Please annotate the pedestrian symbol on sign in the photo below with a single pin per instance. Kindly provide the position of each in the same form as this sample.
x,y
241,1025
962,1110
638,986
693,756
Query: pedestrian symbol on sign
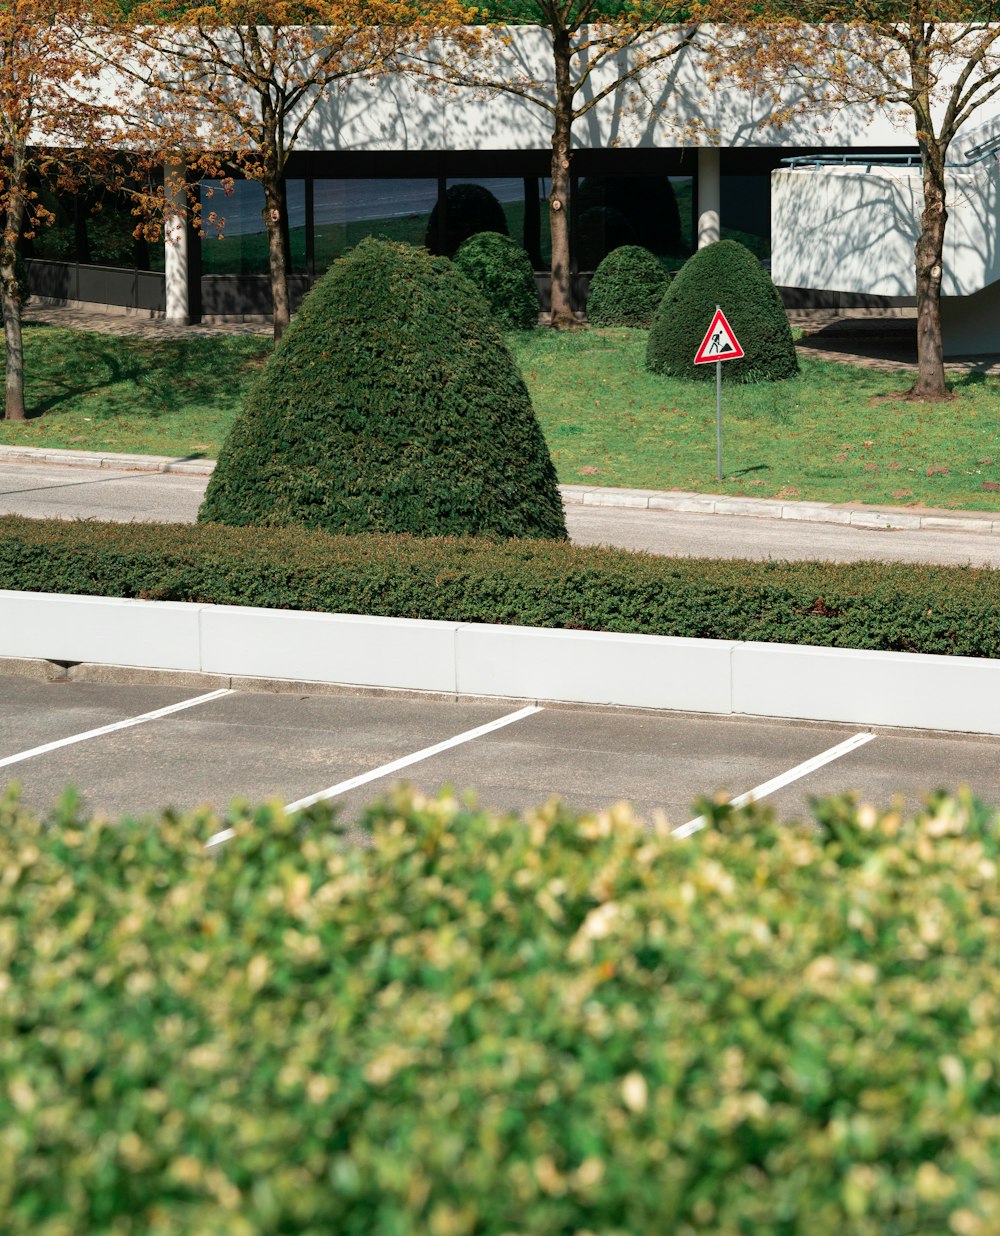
x,y
720,343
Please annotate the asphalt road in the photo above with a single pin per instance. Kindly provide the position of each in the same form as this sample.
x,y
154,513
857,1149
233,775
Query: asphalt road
x,y
258,745
81,493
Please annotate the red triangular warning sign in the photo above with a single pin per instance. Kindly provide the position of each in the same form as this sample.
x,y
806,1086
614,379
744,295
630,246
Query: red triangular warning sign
x,y
719,343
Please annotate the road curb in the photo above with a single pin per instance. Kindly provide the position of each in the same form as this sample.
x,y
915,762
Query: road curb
x,y
854,515
720,677
122,462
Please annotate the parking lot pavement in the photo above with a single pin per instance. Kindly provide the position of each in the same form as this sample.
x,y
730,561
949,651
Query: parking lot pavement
x,y
289,746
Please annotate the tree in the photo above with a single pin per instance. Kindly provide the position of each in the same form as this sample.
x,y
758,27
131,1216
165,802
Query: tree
x,y
937,59
249,75
595,52
53,125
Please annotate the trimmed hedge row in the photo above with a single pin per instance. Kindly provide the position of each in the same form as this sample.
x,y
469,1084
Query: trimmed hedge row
x,y
485,1025
532,583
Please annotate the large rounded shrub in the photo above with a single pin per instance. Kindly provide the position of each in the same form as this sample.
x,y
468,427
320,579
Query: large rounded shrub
x,y
391,404
501,269
729,275
626,288
469,208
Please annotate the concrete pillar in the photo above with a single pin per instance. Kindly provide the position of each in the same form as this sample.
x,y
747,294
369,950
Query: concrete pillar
x,y
709,196
175,246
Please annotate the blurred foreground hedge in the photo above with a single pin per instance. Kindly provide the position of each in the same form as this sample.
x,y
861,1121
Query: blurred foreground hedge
x,y
546,1025
890,606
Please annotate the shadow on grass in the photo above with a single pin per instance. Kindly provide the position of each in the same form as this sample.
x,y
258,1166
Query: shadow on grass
x,y
975,377
750,468
139,377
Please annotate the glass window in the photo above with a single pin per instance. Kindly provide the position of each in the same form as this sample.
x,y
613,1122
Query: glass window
x,y
235,242
345,211
94,230
482,204
746,212
630,210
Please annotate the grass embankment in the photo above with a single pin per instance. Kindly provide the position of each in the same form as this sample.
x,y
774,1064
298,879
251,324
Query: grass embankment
x,y
834,434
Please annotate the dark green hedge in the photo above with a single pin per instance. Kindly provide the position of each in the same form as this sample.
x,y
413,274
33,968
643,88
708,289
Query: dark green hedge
x,y
391,404
481,1026
627,288
533,583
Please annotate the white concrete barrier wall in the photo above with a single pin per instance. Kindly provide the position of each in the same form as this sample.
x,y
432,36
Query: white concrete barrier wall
x,y
585,667
594,667
345,648
105,630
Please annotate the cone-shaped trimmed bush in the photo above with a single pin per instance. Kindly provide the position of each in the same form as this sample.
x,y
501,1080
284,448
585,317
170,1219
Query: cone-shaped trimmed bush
x,y
391,404
626,288
501,269
469,208
725,274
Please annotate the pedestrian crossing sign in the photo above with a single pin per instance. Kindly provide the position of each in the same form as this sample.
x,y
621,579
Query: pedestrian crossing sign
x,y
720,343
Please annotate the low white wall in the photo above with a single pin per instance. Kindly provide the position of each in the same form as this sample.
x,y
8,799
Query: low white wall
x,y
586,667
853,229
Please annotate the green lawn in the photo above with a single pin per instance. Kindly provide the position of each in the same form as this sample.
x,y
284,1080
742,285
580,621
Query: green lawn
x,y
97,392
830,435
834,434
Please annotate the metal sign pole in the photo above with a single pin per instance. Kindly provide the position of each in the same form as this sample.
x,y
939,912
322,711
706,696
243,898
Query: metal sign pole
x,y
719,344
718,420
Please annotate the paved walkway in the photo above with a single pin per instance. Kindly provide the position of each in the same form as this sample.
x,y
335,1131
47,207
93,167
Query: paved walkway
x,y
133,325
855,515
888,344
127,488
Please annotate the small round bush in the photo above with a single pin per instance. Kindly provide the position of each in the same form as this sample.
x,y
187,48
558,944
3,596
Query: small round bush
x,y
647,202
626,288
725,274
501,269
599,232
469,208
391,404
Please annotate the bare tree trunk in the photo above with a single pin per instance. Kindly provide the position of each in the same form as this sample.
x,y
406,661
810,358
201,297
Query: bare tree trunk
x,y
930,384
10,299
562,304
13,346
277,255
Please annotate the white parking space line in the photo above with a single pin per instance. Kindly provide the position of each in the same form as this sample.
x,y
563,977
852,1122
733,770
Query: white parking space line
x,y
785,778
116,725
385,770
